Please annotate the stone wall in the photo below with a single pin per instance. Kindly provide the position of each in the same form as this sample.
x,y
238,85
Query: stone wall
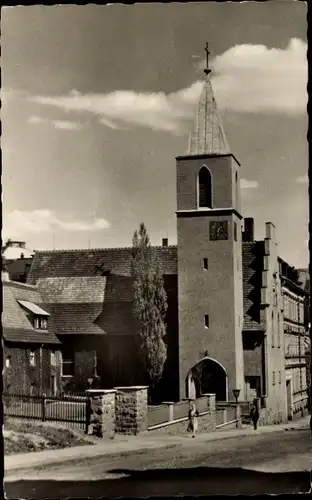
x,y
102,417
206,423
124,410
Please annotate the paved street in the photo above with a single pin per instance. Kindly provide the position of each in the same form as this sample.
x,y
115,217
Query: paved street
x,y
249,464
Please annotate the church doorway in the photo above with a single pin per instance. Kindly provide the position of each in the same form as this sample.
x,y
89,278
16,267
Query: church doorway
x,y
207,376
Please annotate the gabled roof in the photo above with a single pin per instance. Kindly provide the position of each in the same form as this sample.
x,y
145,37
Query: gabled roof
x,y
208,136
66,263
252,253
89,305
16,320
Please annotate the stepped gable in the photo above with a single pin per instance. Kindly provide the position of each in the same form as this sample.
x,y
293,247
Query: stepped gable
x,y
252,281
117,261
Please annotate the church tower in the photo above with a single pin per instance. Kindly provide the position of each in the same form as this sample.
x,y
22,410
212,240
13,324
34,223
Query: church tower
x,y
210,285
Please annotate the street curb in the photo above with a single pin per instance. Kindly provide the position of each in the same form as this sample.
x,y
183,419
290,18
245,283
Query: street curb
x,y
60,460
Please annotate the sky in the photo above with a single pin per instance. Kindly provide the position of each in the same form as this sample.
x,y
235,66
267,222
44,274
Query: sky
x,y
97,102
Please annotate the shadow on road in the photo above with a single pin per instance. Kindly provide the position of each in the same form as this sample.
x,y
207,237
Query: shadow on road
x,y
158,482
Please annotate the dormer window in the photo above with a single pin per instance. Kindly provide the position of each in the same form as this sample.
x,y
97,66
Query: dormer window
x,y
37,315
40,322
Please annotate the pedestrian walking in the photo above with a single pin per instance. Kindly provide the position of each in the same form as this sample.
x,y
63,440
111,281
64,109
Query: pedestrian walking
x,y
254,415
192,419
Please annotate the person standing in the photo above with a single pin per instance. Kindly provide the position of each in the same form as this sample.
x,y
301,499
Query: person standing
x,y
192,419
254,414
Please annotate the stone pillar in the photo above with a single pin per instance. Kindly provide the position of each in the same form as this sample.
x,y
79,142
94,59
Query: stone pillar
x,y
131,409
238,415
170,405
102,412
211,405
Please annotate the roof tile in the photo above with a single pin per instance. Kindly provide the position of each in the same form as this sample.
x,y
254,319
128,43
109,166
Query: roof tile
x,y
67,263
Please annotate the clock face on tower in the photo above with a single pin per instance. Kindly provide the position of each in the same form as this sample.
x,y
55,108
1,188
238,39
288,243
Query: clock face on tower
x,y
219,230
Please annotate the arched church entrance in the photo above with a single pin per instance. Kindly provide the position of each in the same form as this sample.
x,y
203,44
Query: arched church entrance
x,y
207,376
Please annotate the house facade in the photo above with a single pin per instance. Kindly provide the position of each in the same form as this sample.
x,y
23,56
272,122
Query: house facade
x,y
16,260
295,340
31,350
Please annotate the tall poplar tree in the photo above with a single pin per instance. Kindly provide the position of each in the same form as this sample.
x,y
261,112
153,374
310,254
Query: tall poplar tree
x,y
149,307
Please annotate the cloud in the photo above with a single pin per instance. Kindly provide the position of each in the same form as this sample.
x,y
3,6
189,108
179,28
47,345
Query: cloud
x,y
247,184
7,95
109,123
34,120
158,110
60,124
44,220
302,179
66,125
246,78
255,78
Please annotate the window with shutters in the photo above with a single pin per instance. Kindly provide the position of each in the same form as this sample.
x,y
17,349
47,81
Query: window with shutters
x,y
204,188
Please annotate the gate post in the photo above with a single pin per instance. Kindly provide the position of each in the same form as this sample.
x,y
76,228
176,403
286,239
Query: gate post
x,y
43,407
102,412
88,414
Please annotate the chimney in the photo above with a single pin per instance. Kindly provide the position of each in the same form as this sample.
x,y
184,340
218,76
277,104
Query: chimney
x,y
165,242
248,234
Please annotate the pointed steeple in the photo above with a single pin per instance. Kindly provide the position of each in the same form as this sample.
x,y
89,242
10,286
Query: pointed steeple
x,y
208,136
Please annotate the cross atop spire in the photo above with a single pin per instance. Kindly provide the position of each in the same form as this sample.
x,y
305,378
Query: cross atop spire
x,y
207,70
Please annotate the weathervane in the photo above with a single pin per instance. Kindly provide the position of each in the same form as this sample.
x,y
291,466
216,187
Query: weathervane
x,y
207,70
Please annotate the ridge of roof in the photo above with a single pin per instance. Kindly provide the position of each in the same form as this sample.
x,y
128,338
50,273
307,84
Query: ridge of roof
x,y
18,284
98,249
